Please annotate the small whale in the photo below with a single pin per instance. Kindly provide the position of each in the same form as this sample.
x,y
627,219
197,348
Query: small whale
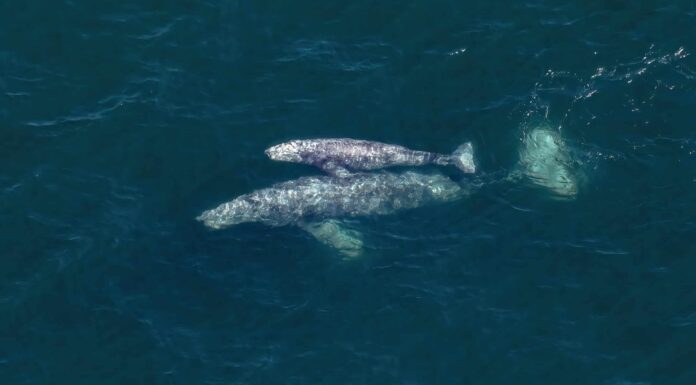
x,y
319,204
338,157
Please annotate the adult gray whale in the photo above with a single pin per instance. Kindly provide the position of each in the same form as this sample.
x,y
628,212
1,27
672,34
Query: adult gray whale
x,y
318,203
338,156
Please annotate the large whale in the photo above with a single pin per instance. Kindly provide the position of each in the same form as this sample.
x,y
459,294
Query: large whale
x,y
318,204
340,156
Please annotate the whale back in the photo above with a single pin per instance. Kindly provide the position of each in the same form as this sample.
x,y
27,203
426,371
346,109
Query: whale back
x,y
321,197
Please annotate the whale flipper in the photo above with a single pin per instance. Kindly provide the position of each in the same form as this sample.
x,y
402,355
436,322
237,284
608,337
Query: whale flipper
x,y
334,169
334,233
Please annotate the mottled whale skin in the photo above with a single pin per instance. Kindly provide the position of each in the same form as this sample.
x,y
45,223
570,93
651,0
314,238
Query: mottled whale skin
x,y
318,204
341,155
314,198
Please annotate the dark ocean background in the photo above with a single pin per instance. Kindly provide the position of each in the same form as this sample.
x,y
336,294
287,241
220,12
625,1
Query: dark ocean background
x,y
121,121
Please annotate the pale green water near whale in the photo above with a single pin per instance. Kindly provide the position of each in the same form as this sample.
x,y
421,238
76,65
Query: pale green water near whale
x,y
120,122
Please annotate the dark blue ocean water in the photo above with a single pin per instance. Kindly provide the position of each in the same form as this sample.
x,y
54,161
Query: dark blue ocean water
x,y
120,121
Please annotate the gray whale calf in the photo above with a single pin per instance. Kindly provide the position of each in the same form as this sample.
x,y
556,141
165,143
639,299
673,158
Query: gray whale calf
x,y
340,156
318,203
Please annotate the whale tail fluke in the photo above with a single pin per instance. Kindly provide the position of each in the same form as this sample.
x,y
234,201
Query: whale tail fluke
x,y
546,161
463,158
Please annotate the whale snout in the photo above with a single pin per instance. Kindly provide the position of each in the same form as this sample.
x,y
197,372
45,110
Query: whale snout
x,y
284,152
210,220
274,152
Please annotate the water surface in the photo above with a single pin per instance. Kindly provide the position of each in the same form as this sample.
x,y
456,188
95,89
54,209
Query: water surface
x,y
120,121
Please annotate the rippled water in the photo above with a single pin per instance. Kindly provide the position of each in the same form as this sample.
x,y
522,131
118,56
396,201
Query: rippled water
x,y
122,121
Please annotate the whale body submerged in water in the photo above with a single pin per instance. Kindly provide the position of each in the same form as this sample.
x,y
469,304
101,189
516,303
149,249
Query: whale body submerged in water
x,y
338,156
317,203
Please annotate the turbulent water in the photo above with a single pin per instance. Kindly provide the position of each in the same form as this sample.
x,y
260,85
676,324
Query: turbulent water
x,y
121,121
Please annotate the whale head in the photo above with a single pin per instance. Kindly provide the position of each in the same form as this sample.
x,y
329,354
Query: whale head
x,y
285,152
228,214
